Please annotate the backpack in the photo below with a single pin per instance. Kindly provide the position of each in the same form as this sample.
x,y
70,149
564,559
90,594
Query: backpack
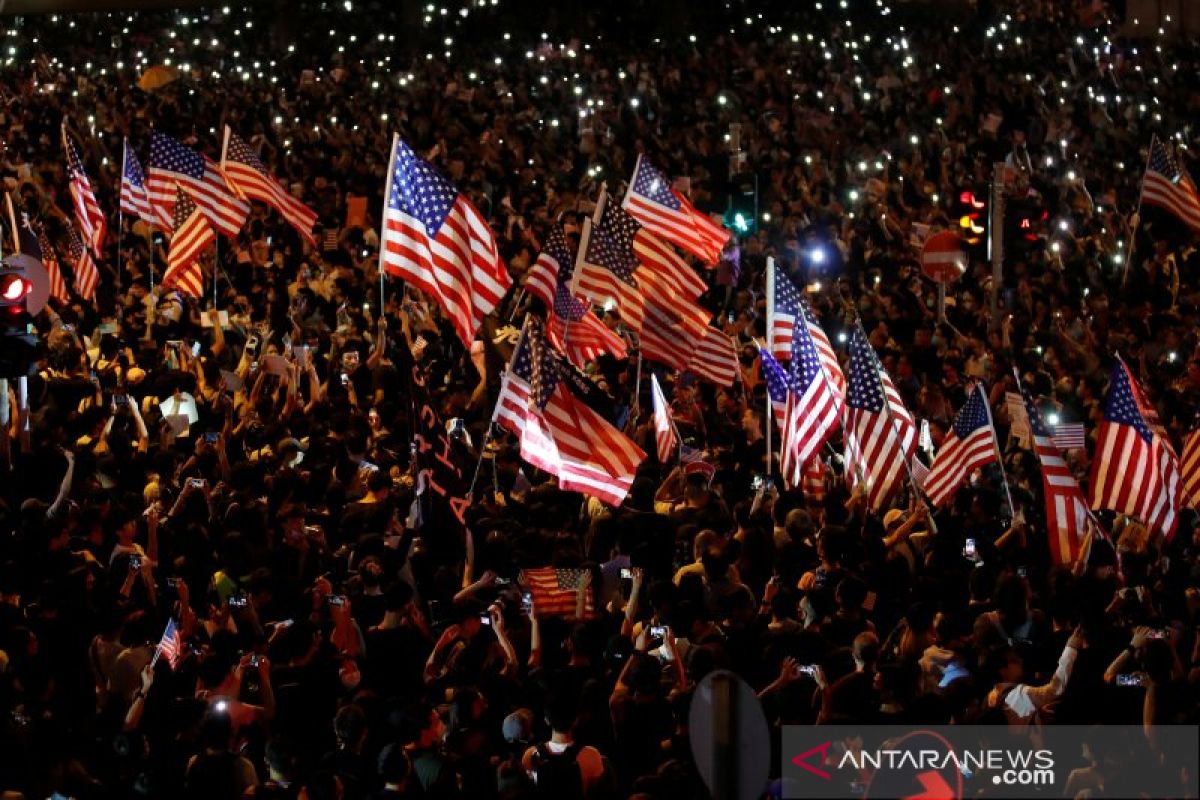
x,y
558,775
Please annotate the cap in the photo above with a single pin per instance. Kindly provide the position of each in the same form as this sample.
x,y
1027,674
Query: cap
x,y
702,468
518,726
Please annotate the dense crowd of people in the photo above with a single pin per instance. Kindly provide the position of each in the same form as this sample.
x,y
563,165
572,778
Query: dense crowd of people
x,y
255,481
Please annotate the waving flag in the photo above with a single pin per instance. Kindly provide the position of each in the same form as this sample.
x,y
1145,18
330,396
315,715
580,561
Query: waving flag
x,y
554,263
676,333
248,177
88,215
558,432
578,333
171,165
192,235
134,198
555,592
881,436
170,646
1069,436
1067,516
1134,469
813,472
434,237
814,403
969,444
786,310
778,384
1168,186
87,274
656,204
1189,465
606,262
34,244
664,429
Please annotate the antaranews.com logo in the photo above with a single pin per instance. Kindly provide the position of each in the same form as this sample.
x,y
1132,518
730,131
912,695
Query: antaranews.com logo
x,y
946,762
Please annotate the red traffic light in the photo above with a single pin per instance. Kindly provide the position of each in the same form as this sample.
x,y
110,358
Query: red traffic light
x,y
13,288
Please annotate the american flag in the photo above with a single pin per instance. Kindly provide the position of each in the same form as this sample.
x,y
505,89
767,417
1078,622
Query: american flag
x,y
171,164
87,211
435,238
814,404
553,264
676,333
170,646
87,274
134,199
558,432
1069,436
663,210
329,243
920,473
555,592
814,479
248,177
605,264
783,308
35,244
814,472
969,444
1134,469
192,235
1189,464
1067,515
578,333
881,435
1168,186
657,256
664,430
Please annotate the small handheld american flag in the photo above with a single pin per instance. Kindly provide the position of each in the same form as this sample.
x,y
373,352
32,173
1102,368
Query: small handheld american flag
x,y
170,646
665,211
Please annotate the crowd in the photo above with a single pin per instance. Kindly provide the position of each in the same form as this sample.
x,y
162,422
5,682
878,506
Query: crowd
x,y
256,482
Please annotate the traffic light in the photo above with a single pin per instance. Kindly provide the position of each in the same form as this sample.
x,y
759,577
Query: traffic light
x,y
22,295
741,215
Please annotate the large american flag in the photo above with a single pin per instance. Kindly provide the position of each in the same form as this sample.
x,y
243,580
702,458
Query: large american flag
x,y
571,326
881,435
605,264
88,215
813,472
172,164
676,333
170,646
87,274
786,306
1067,515
558,432
657,205
1168,186
555,592
134,198
192,235
248,177
435,238
664,430
814,404
33,243
969,444
1134,469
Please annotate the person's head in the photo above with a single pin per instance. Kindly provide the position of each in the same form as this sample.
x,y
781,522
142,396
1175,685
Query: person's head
x,y
422,727
866,651
350,727
394,767
281,760
379,484
1006,664
561,711
467,615
705,540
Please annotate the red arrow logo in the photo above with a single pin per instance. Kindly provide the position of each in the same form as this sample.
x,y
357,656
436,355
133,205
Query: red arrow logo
x,y
800,760
933,787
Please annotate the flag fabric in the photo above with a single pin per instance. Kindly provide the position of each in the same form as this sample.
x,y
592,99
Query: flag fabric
x,y
172,164
170,646
555,262
435,238
1189,465
666,212
1134,469
969,444
656,255
778,384
813,479
814,406
676,333
881,435
555,592
87,274
246,174
664,431
714,357
558,432
88,215
920,473
192,235
34,244
1168,186
1067,515
783,309
134,198
1069,436
605,264
578,333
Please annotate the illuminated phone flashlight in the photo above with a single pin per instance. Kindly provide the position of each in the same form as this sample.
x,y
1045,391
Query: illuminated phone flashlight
x,y
1052,418
609,304
816,255
1171,356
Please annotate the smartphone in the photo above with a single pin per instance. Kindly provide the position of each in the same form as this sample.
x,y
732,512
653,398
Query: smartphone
x,y
658,631
1132,679
526,602
337,600
345,379
806,669
196,350
196,483
121,399
759,482
626,574
1157,633
255,660
1023,572
252,345
503,581
731,316
969,550
174,344
238,600
485,619
135,563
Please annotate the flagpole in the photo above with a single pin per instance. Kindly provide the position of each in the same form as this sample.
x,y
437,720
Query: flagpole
x,y
12,216
1136,219
391,173
216,266
496,408
121,214
987,406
